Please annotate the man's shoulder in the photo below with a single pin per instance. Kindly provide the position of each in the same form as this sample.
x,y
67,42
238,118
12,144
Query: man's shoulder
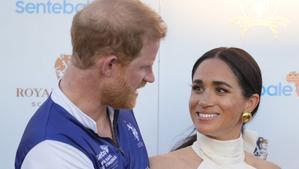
x,y
57,155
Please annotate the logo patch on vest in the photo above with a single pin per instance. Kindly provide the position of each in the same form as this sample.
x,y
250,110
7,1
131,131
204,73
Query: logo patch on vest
x,y
135,134
105,159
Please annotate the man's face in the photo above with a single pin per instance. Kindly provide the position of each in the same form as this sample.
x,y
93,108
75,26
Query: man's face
x,y
123,92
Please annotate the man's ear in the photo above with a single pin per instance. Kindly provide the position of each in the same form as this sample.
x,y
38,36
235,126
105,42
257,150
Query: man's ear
x,y
106,64
252,102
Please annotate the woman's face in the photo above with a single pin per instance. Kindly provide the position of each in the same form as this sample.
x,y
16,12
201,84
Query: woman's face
x,y
216,102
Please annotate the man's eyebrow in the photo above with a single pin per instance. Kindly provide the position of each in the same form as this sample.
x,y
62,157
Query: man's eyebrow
x,y
197,81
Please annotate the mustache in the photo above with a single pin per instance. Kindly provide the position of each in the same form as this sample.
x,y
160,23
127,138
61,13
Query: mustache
x,y
142,85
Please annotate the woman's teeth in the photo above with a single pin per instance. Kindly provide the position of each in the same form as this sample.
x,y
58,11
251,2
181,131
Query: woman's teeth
x,y
207,116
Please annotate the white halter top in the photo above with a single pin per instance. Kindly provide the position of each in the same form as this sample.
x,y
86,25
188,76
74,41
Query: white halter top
x,y
218,154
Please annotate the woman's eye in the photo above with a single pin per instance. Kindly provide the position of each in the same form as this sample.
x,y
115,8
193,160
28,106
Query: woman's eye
x,y
221,90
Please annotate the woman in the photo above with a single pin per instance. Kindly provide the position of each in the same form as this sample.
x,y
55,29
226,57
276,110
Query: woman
x,y
226,90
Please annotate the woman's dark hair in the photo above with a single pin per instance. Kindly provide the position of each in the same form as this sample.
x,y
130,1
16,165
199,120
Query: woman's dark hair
x,y
244,68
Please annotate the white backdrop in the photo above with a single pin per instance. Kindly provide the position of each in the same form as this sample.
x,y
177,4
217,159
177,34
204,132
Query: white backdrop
x,y
34,33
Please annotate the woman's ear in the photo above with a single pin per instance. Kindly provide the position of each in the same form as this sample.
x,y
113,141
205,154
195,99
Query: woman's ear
x,y
252,102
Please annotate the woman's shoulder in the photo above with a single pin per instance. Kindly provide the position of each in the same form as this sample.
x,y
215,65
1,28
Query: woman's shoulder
x,y
163,161
259,163
263,164
183,158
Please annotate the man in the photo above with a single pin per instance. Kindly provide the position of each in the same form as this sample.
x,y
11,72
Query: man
x,y
82,124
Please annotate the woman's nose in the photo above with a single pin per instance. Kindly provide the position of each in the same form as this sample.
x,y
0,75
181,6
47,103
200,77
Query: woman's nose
x,y
206,98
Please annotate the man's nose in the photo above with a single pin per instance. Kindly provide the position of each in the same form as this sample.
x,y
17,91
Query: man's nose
x,y
150,77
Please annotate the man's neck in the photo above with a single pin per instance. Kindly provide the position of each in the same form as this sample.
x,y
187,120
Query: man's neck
x,y
105,127
80,86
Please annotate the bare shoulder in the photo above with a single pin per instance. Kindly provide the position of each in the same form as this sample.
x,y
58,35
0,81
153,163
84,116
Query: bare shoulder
x,y
258,163
163,161
263,164
184,158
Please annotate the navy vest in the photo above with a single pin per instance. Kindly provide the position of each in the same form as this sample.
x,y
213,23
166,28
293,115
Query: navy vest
x,y
52,122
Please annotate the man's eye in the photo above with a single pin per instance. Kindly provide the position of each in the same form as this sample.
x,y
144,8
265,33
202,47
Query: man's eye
x,y
197,88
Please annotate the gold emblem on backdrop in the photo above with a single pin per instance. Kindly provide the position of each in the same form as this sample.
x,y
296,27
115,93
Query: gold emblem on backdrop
x,y
61,64
257,13
293,77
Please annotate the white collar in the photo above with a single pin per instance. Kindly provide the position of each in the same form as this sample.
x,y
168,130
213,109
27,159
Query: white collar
x,y
250,138
222,153
61,99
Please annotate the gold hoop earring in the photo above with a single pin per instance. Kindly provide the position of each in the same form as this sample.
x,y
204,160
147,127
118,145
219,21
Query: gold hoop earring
x,y
246,117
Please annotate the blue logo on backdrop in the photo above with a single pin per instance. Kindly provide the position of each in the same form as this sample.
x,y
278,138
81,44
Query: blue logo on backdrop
x,y
49,7
278,89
